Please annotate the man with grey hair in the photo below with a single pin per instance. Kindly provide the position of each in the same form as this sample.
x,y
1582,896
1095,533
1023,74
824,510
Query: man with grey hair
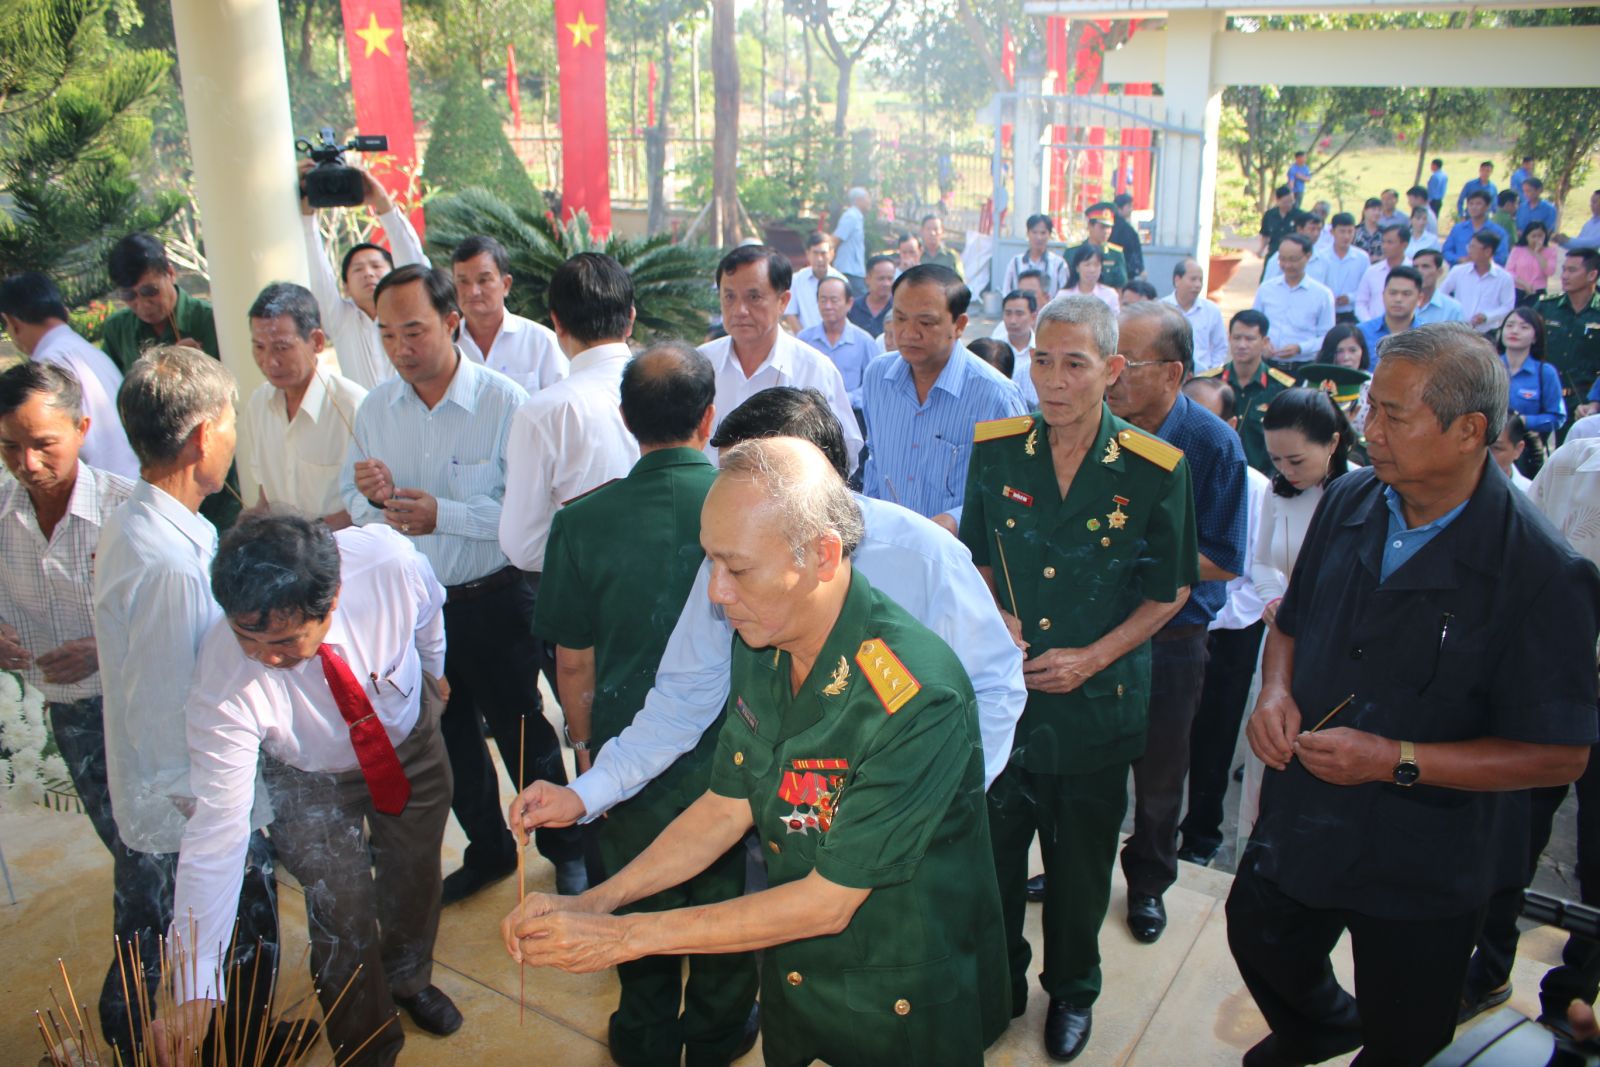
x,y
1205,317
300,420
1421,581
1083,525
152,606
851,746
850,253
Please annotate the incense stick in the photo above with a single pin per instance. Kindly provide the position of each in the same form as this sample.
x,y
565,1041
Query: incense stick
x,y
348,425
1006,571
522,968
1342,705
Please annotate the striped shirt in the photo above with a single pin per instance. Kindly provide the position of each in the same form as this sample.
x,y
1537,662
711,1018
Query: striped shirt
x,y
46,589
456,452
920,449
1054,268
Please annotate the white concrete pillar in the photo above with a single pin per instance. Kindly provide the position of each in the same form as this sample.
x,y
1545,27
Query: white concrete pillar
x,y
1186,185
1027,164
236,96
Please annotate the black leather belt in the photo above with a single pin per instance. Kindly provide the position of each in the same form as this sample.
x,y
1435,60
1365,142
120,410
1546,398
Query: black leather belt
x,y
455,594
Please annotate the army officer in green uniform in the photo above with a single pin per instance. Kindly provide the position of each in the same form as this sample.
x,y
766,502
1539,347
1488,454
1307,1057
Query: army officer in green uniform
x,y
851,745
1100,219
619,566
1572,330
1254,382
1084,527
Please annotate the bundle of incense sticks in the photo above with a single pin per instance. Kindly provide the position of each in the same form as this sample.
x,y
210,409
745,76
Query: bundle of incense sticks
x,y
70,1038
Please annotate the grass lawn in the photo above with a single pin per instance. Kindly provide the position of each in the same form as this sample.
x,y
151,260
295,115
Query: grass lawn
x,y
1358,174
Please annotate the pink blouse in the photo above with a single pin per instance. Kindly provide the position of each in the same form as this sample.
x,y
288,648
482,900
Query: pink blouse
x,y
1531,270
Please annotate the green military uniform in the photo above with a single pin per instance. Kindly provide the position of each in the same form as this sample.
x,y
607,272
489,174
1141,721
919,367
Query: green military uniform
x,y
1114,273
1078,567
1572,344
619,566
946,257
125,336
1251,400
871,774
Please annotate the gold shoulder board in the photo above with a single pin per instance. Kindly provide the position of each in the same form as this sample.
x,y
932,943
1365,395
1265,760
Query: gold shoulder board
x,y
887,675
993,429
1153,449
1213,372
1280,377
1113,247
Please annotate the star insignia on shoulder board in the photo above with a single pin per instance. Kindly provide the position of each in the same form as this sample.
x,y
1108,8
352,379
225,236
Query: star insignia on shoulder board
x,y
1113,452
1030,446
841,679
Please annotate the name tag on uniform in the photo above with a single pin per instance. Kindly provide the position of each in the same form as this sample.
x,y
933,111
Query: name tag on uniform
x,y
1018,495
745,713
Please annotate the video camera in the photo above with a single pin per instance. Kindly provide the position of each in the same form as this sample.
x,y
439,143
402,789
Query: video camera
x,y
332,182
1510,1039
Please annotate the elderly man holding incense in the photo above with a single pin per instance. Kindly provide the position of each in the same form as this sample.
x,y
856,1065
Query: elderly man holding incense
x,y
1417,598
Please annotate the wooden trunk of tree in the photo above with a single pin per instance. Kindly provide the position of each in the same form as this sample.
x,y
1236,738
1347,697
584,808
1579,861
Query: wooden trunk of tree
x,y
694,78
655,141
1427,129
841,99
725,132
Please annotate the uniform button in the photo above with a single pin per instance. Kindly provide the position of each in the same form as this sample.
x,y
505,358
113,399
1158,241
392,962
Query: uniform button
x,y
1355,653
795,978
902,1006
1010,523
738,759
1044,624
1049,572
773,845
1105,542
1120,690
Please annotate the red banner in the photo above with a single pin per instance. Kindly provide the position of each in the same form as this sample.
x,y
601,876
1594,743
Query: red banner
x,y
581,57
382,88
513,90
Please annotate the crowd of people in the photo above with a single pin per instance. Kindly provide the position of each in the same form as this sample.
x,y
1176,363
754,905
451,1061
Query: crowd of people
x,y
837,585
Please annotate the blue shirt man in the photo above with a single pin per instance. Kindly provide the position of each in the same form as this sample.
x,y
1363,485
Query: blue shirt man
x,y
1518,176
850,257
851,352
1529,211
1439,308
1455,246
1375,330
1221,500
1438,185
1473,185
1299,174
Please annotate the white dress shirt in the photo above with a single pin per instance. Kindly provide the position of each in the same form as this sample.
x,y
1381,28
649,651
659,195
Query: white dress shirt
x,y
523,351
389,622
1210,335
45,586
1429,240
1567,490
564,441
1298,315
1491,294
1244,606
803,296
1341,275
354,335
791,362
106,445
152,606
907,558
456,452
1369,294
297,462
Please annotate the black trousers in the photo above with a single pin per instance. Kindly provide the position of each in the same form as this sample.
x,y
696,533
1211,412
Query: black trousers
x,y
1497,944
1177,671
1408,975
492,664
1230,668
142,887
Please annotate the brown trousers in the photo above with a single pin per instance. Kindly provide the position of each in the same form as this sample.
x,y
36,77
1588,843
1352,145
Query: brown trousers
x,y
371,882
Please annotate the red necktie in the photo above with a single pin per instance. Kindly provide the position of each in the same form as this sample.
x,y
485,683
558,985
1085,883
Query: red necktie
x,y
386,779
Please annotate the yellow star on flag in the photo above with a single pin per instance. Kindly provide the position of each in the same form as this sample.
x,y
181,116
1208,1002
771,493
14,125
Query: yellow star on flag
x,y
582,31
375,36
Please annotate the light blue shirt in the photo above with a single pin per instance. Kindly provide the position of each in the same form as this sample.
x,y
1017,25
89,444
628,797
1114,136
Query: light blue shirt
x,y
1401,542
1341,276
1544,211
856,349
1518,176
851,235
456,453
1299,174
1455,245
1440,309
920,450
1300,315
915,563
1588,237
1376,330
1438,183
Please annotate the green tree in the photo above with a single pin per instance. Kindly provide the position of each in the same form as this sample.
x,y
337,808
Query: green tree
x,y
469,147
1561,129
71,130
671,282
1264,125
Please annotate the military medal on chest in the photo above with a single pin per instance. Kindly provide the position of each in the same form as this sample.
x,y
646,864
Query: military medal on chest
x,y
1117,518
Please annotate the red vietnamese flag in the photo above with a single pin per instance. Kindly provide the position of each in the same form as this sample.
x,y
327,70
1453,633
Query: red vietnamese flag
x,y
513,90
581,57
382,88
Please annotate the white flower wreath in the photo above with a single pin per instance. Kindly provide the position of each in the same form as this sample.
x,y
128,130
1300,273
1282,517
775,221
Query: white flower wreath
x,y
32,772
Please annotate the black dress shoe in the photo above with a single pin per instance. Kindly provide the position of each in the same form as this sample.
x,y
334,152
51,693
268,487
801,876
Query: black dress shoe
x,y
1147,917
1267,1053
461,884
1200,856
1066,1031
1475,1002
432,1011
572,877
1036,889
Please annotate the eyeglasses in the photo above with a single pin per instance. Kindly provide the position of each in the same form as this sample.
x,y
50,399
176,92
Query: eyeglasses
x,y
127,296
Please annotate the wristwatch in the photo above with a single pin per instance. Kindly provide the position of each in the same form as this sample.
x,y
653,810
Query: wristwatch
x,y
577,746
1406,771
